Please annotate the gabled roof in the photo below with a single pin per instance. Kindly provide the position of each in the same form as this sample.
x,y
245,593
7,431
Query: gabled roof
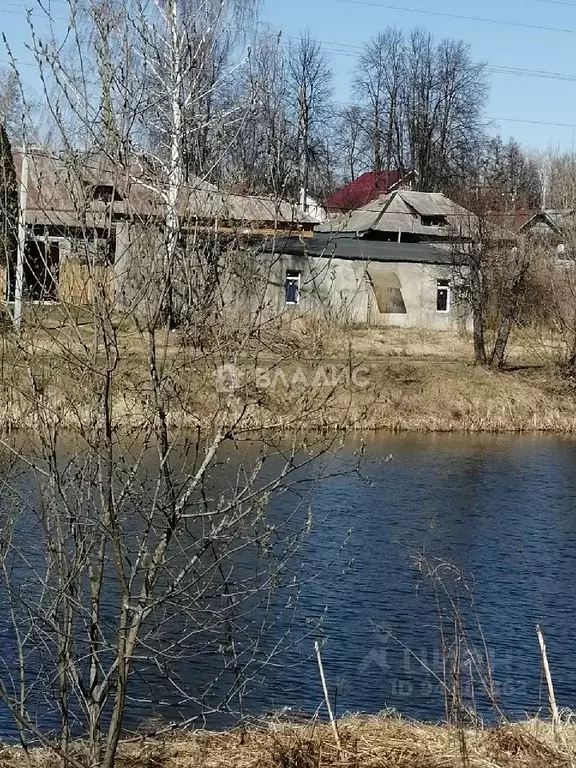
x,y
558,221
61,193
401,212
363,190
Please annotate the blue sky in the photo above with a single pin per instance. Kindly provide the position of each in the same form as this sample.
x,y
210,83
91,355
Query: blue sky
x,y
344,24
514,97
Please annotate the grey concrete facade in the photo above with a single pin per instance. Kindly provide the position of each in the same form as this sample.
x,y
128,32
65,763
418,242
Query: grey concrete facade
x,y
360,283
408,294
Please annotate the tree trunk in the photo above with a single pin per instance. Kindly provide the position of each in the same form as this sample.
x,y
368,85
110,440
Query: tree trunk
x,y
498,353
508,317
376,150
479,339
478,307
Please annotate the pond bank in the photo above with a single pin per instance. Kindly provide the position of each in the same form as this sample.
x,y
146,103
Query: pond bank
x,y
396,395
308,379
366,743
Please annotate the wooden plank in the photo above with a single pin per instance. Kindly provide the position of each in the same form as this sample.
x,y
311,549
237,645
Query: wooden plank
x,y
78,282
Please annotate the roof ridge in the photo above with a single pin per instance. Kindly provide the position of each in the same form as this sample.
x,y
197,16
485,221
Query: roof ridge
x,y
385,207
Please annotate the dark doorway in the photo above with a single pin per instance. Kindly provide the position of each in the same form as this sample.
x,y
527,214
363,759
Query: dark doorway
x,y
41,266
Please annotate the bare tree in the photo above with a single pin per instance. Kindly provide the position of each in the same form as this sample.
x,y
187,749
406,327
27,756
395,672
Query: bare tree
x,y
378,81
141,546
445,98
350,143
423,104
491,278
511,176
263,142
310,79
558,179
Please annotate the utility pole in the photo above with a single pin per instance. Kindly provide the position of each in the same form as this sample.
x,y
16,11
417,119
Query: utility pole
x,y
19,281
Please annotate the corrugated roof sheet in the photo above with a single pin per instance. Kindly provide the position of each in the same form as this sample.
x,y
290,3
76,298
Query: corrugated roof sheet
x,y
61,192
429,203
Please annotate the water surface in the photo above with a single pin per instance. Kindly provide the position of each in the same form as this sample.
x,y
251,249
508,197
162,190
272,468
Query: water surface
x,y
502,509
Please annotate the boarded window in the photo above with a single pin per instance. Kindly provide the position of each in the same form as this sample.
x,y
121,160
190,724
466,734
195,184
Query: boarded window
x,y
387,291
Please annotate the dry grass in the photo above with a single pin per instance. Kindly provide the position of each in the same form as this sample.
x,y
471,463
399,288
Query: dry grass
x,y
367,742
409,381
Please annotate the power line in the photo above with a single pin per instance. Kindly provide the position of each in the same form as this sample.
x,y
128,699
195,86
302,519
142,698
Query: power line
x,y
332,47
478,19
496,119
531,122
23,11
557,2
540,74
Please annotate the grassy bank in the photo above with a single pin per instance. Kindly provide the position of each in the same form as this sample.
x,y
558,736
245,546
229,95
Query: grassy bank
x,y
374,742
310,378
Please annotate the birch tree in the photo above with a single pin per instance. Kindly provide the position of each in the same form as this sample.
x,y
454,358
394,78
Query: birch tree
x,y
133,545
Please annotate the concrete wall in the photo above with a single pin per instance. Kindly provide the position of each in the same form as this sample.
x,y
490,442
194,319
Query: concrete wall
x,y
342,290
419,288
335,289
338,290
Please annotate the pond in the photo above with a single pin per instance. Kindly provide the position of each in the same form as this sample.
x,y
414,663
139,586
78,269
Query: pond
x,y
500,508
411,535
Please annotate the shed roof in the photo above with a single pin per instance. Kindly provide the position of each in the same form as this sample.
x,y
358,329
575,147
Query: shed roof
x,y
356,249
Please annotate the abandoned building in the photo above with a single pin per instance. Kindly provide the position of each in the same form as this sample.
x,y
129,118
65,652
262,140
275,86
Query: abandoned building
x,y
555,229
392,262
405,216
83,215
352,280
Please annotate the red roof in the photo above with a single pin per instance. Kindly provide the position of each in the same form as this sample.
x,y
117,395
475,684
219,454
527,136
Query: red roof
x,y
363,190
512,221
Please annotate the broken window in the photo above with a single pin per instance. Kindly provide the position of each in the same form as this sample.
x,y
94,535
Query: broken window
x,y
443,296
292,286
105,193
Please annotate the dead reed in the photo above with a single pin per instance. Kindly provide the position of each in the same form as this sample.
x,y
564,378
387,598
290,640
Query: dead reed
x,y
367,742
404,384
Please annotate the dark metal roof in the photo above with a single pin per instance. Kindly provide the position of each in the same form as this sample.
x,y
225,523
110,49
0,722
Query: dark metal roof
x,y
355,249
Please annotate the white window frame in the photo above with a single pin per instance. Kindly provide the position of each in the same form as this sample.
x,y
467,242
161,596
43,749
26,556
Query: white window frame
x,y
293,276
444,285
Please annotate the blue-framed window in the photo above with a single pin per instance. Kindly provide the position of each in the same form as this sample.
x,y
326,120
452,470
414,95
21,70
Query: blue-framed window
x,y
292,286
